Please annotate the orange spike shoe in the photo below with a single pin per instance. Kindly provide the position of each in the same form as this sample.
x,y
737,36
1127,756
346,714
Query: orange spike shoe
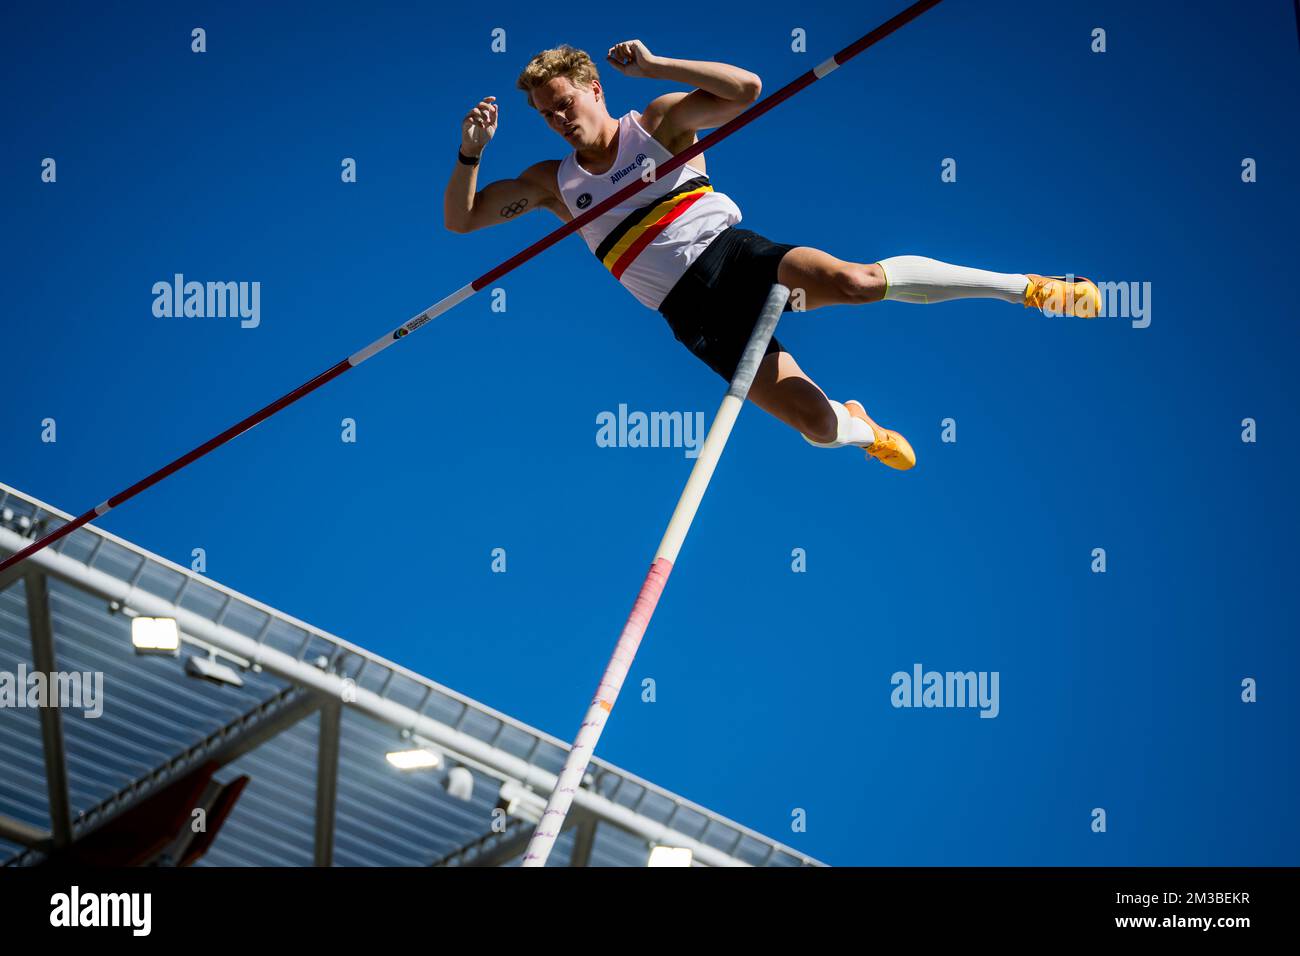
x,y
1063,295
890,448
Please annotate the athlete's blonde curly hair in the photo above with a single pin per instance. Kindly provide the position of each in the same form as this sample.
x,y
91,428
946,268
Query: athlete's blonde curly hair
x,y
563,60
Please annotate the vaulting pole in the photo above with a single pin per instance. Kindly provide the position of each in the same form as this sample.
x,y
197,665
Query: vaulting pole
x,y
463,293
575,765
611,682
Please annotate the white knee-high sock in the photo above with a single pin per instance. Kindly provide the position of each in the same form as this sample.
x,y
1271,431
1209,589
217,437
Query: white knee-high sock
x,y
922,280
850,430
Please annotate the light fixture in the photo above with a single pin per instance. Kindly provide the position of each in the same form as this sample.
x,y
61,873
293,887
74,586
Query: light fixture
x,y
20,523
460,784
155,635
212,670
670,856
519,802
421,759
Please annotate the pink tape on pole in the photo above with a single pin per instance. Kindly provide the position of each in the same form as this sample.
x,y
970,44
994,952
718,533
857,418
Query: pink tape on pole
x,y
637,621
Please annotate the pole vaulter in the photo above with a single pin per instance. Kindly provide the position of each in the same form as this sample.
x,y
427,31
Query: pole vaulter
x,y
460,295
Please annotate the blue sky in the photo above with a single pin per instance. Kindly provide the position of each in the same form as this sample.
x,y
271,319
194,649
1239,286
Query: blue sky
x,y
1118,690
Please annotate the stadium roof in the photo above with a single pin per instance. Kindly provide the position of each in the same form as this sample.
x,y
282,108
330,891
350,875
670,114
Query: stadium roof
x,y
289,766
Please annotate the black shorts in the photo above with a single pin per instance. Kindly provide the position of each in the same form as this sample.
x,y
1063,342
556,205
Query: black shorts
x,y
714,305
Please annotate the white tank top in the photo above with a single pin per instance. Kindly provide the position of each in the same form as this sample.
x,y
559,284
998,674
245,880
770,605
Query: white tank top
x,y
652,237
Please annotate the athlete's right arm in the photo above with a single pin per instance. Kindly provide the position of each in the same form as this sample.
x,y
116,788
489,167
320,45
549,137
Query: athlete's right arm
x,y
466,208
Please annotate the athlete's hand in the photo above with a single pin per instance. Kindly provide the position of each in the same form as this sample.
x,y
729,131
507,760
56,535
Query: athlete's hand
x,y
479,127
631,58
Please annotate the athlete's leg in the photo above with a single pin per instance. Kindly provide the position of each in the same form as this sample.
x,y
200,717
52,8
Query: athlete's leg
x,y
827,280
783,391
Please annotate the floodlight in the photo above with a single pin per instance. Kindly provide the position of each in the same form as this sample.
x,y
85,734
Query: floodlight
x,y
669,856
422,759
155,635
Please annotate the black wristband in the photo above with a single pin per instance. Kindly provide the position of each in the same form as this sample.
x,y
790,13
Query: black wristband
x,y
467,160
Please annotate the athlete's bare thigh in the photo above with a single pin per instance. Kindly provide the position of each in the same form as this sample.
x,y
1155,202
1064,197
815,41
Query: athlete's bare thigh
x,y
826,280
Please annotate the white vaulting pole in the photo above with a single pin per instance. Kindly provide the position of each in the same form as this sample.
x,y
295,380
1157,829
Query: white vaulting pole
x,y
575,765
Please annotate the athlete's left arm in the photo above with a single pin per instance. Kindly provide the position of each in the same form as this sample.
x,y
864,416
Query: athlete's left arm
x,y
723,91
676,117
